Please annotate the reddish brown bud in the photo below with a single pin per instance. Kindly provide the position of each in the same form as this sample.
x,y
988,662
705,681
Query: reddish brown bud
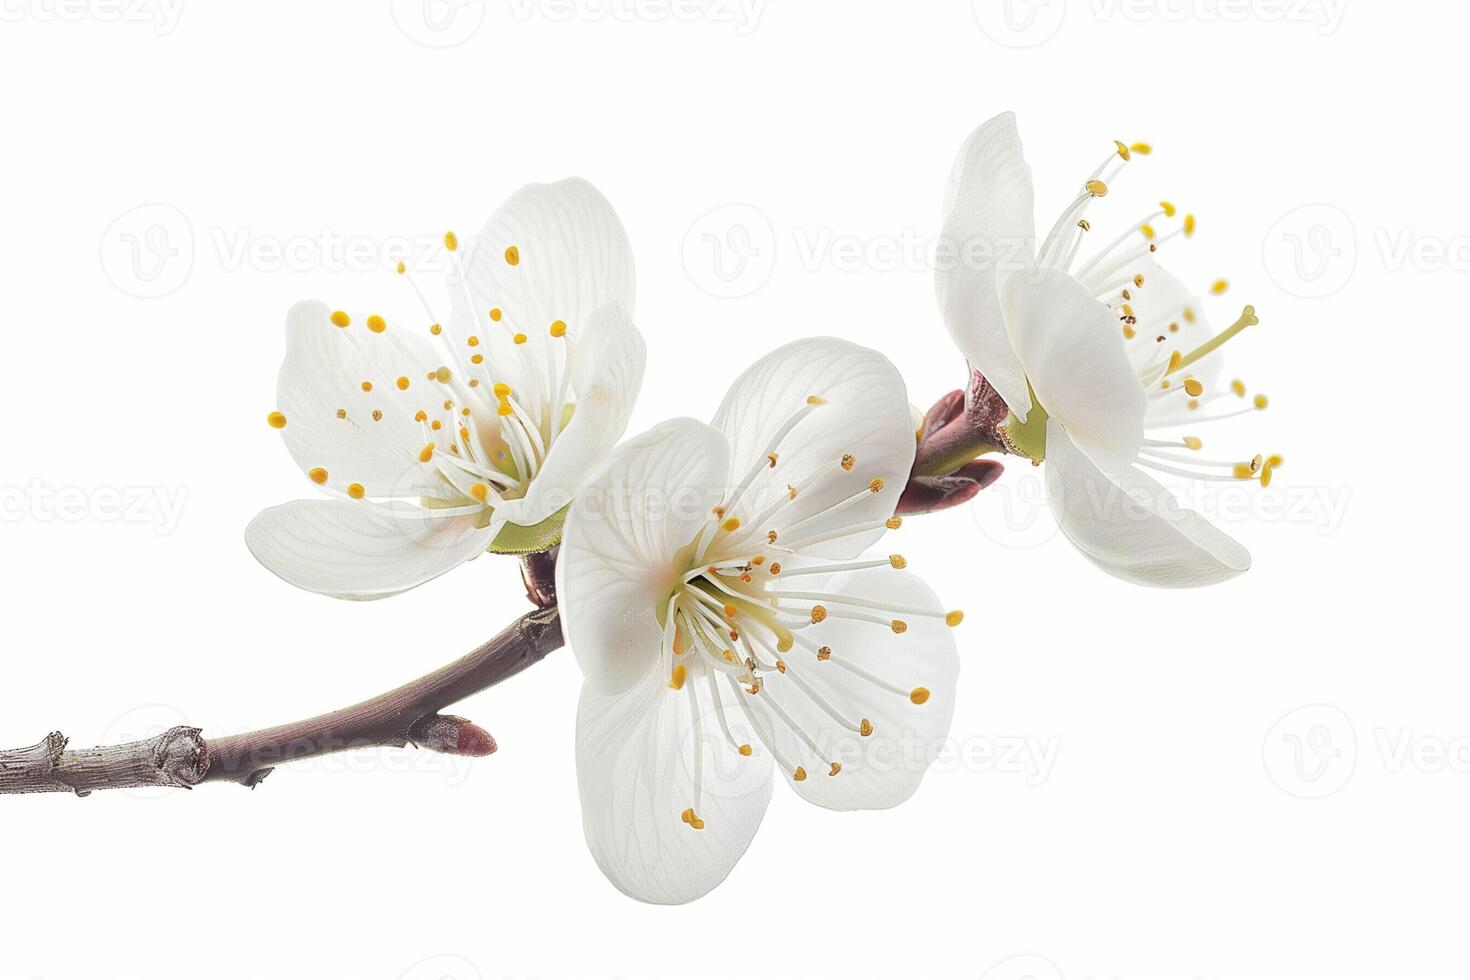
x,y
452,735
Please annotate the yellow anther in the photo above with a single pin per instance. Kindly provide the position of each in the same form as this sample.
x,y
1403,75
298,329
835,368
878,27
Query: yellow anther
x,y
1128,332
402,384
443,375
1193,404
377,415
1274,459
559,328
899,626
1084,224
519,338
477,359
730,524
1189,316
512,256
1142,149
746,749
893,523
772,457
356,491
1256,462
825,653
1148,231
771,538
495,314
676,679
472,342
1123,150
815,400
501,389
402,268
730,611
427,453
1238,386
1219,286
876,486
464,434
1189,224
1261,401
1138,282
318,475
791,491
1194,387
799,775
1168,209
1243,471
367,386
781,666
480,492
1097,188
688,815
341,413
435,329
276,420
836,768
819,613
1193,442
865,728
848,462
1173,328
775,565
376,323
451,241
340,319
954,617
1266,476
729,656
898,561
919,695
758,560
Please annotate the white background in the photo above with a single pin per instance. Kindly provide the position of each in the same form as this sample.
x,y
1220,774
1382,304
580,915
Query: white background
x,y
1267,778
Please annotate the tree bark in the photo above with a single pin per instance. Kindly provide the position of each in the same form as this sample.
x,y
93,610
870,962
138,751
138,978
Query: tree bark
x,y
410,714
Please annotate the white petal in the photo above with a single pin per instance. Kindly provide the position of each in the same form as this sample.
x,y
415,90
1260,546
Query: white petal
x,y
1072,347
865,415
607,375
616,570
882,769
322,378
641,764
990,228
356,549
1131,527
573,259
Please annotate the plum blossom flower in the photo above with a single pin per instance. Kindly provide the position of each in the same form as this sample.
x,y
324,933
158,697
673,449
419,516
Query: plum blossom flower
x,y
726,621
439,439
1092,365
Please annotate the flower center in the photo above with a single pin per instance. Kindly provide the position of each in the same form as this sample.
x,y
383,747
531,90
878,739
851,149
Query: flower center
x,y
1113,276
480,439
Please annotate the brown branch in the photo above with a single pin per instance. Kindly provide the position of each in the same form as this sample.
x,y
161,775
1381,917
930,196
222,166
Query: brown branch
x,y
411,714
